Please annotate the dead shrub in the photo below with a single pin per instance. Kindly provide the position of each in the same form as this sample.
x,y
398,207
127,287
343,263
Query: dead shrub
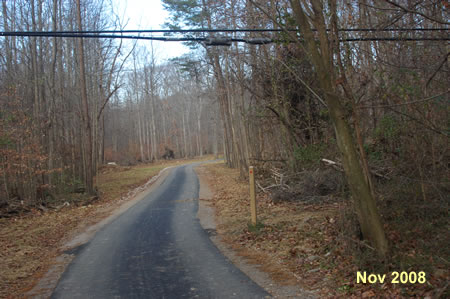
x,y
310,186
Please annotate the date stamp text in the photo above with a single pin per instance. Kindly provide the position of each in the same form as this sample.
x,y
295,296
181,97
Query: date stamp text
x,y
395,277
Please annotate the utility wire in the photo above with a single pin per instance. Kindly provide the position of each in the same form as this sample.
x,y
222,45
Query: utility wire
x,y
212,41
200,30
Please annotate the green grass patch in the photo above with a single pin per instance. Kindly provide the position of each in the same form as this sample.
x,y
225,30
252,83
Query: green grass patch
x,y
256,229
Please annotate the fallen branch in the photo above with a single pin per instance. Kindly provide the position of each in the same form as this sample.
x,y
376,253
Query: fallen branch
x,y
379,175
65,204
265,189
261,187
267,160
338,166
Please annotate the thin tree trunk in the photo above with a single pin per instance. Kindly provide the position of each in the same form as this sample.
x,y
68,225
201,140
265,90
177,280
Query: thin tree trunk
x,y
140,133
153,129
8,50
199,128
89,178
50,114
184,135
147,138
34,65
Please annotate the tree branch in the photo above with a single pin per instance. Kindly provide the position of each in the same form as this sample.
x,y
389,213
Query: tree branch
x,y
289,33
106,101
431,128
405,9
407,103
437,70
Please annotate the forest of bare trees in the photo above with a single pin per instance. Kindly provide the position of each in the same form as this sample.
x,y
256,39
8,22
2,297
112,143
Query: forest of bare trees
x,y
377,107
53,96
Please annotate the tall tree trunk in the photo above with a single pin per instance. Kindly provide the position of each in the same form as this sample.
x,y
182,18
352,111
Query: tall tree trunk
x,y
8,47
224,109
365,205
147,137
34,66
153,129
222,96
50,115
199,127
87,134
184,135
140,133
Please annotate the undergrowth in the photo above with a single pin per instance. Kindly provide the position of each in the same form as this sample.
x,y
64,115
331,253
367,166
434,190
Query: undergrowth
x,y
320,240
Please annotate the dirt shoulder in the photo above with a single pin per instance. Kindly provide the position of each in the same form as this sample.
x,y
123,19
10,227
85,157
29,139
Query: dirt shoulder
x,y
286,286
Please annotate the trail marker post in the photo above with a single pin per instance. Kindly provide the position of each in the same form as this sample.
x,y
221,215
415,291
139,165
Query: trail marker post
x,y
251,175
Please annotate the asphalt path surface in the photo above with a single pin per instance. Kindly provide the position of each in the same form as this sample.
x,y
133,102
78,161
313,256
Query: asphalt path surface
x,y
156,249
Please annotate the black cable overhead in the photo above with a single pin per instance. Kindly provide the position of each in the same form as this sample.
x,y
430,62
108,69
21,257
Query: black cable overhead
x,y
200,30
222,40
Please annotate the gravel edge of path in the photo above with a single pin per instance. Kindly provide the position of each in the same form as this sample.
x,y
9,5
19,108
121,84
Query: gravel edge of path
x,y
206,215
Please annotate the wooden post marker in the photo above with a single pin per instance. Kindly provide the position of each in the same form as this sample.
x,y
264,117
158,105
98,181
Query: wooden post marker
x,y
252,195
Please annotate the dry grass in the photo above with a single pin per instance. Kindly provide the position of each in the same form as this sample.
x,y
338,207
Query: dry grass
x,y
117,181
28,244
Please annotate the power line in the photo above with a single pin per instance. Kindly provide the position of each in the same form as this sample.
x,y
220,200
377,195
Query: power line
x,y
229,30
210,41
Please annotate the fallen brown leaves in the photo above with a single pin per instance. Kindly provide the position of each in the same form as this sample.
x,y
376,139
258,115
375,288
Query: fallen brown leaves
x,y
286,245
296,243
29,243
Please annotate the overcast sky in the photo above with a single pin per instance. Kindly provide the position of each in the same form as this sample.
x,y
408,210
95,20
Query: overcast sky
x,y
148,14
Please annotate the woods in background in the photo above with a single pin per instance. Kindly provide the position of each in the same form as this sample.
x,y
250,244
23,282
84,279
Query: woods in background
x,y
379,108
53,93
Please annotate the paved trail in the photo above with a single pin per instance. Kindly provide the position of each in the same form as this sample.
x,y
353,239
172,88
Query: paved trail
x,y
156,249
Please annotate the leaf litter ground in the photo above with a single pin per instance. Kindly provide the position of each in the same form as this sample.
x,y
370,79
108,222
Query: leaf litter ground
x,y
30,243
296,242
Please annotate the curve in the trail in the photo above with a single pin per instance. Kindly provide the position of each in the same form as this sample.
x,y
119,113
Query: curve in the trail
x,y
156,249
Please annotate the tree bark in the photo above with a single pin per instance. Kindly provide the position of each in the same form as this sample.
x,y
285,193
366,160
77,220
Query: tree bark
x,y
365,205
87,148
